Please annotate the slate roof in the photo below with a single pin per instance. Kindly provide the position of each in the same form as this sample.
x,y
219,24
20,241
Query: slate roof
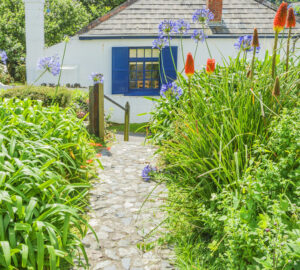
x,y
141,18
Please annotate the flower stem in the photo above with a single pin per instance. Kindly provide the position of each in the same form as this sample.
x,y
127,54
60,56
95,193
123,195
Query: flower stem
x,y
252,64
190,94
60,72
196,49
40,76
210,56
288,52
182,51
274,55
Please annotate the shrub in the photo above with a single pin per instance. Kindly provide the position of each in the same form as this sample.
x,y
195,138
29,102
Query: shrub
x,y
257,226
45,94
206,146
43,185
4,76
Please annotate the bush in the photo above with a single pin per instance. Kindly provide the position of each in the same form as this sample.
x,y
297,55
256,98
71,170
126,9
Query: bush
x,y
217,216
257,226
43,185
4,76
45,94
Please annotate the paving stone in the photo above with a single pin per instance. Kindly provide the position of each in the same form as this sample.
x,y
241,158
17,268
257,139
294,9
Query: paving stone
x,y
126,263
116,214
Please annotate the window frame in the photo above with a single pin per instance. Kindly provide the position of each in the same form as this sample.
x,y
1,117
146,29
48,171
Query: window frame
x,y
143,91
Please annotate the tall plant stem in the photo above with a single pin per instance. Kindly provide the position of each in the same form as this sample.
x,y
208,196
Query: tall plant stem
x,y
172,56
60,72
288,52
252,65
183,60
196,49
163,68
40,76
210,56
190,94
274,55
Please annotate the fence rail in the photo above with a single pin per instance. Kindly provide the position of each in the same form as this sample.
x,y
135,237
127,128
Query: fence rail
x,y
96,112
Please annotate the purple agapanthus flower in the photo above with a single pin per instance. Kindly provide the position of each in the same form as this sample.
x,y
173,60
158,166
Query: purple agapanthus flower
x,y
203,15
146,172
199,36
244,43
166,27
171,88
182,27
51,64
3,57
97,77
160,43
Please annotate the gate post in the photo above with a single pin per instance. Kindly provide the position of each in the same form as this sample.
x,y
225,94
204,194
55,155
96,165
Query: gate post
x,y
126,129
101,111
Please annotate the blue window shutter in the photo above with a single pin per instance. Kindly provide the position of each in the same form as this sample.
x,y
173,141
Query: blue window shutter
x,y
120,70
167,61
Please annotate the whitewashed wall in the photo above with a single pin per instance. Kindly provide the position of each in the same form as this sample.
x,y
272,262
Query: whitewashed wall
x,y
86,56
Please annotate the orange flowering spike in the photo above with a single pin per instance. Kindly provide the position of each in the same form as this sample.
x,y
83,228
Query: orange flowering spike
x,y
210,66
189,65
89,161
280,17
291,19
255,42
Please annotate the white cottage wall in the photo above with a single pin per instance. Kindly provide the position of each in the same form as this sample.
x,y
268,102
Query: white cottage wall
x,y
86,56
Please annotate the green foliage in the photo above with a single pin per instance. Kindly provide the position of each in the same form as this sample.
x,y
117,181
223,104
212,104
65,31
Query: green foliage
x,y
226,191
66,17
98,8
42,185
257,226
4,75
45,94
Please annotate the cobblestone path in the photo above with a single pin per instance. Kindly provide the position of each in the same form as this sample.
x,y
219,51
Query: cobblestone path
x,y
116,213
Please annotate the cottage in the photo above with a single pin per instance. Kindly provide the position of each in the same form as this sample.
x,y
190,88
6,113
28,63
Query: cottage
x,y
119,45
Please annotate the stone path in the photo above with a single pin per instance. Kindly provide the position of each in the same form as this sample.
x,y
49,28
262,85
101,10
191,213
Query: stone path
x,y
116,214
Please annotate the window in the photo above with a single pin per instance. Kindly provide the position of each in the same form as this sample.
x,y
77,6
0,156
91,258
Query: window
x,y
143,69
135,70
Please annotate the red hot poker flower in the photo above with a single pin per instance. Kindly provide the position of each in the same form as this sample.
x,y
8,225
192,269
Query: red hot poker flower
x,y
89,161
210,66
291,19
280,18
189,65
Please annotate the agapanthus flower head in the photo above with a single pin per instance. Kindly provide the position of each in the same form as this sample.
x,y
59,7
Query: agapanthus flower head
x,y
182,27
203,15
291,19
160,43
199,36
189,65
276,89
244,44
255,41
210,66
97,77
50,64
171,89
280,17
146,172
166,27
3,57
